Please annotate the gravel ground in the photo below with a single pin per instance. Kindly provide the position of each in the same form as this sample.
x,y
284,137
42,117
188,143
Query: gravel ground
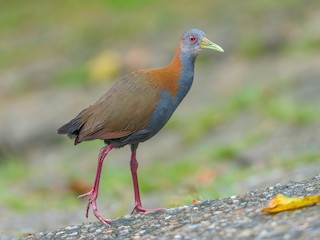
x,y
236,217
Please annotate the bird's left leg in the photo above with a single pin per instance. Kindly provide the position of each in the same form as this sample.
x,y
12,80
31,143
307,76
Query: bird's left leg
x,y
134,167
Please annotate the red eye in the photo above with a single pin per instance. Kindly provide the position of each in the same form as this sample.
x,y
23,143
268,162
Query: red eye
x,y
192,39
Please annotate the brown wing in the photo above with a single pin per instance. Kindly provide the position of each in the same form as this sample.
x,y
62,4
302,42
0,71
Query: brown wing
x,y
126,108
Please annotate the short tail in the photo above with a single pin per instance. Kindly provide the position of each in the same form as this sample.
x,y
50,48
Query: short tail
x,y
72,129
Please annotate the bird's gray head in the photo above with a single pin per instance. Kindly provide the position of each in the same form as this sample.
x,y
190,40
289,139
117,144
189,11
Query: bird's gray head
x,y
193,40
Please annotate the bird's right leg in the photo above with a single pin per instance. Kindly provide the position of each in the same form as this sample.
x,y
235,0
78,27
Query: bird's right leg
x,y
134,167
93,194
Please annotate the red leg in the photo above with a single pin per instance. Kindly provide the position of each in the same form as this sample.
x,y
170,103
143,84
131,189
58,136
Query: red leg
x,y
93,194
134,167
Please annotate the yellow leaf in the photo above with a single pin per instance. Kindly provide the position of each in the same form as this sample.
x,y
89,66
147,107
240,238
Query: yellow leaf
x,y
282,203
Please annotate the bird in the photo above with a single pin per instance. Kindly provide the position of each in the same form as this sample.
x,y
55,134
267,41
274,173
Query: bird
x,y
135,108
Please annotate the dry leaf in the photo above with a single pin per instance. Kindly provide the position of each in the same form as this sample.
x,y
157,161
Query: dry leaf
x,y
205,176
282,203
79,187
194,201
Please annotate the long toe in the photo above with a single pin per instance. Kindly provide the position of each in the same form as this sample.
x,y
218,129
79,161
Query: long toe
x,y
88,207
100,218
104,221
93,202
86,194
139,208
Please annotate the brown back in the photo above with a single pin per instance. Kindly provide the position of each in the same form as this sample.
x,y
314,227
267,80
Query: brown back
x,y
126,108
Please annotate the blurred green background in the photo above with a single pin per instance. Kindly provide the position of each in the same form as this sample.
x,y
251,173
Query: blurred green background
x,y
250,120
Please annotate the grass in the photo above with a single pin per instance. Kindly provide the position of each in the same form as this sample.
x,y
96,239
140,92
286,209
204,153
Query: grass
x,y
75,75
182,180
21,191
276,104
297,161
287,110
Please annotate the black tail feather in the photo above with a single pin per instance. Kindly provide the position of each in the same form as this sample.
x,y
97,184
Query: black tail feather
x,y
72,128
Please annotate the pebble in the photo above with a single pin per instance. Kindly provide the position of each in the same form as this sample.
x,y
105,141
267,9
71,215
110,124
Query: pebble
x,y
72,227
310,189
